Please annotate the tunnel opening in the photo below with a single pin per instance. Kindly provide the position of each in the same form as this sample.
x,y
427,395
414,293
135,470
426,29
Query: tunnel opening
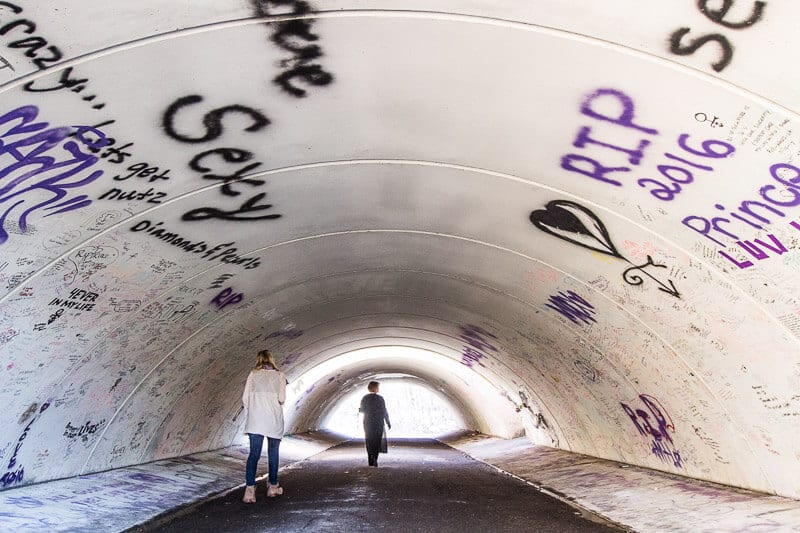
x,y
467,400
416,409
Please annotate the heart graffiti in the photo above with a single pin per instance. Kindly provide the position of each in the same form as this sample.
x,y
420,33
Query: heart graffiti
x,y
576,224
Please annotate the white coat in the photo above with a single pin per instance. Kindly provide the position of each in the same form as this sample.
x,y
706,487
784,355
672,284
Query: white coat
x,y
263,396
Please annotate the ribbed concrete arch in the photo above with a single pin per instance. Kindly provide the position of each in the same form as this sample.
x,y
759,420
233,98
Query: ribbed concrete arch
x,y
589,209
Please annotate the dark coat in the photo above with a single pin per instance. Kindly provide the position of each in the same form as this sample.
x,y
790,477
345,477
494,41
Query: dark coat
x,y
374,409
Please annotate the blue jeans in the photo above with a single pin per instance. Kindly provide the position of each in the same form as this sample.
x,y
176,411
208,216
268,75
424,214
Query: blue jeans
x,y
256,442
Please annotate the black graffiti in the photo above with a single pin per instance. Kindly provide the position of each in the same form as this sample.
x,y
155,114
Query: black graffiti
x,y
43,55
152,196
286,35
72,432
677,47
576,224
65,81
212,123
6,64
224,253
217,283
118,155
37,48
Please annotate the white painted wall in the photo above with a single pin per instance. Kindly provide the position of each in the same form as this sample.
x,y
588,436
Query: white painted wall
x,y
484,181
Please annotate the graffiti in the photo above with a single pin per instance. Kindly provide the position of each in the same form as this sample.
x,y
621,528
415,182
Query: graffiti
x,y
213,125
88,261
5,64
787,406
477,344
677,175
713,122
676,172
625,119
16,279
578,225
7,334
217,283
292,357
152,196
79,300
227,297
224,253
54,316
26,144
150,478
124,306
289,333
66,81
785,174
142,170
586,370
717,16
82,432
37,48
117,155
15,476
171,310
10,478
658,425
776,247
286,35
572,306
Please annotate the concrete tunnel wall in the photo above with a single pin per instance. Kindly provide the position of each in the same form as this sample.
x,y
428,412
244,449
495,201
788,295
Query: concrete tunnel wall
x,y
592,207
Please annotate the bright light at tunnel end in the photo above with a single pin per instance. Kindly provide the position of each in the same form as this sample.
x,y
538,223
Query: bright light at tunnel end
x,y
414,410
427,393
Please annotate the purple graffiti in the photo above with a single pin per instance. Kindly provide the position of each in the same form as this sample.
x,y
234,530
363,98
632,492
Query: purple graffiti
x,y
622,156
477,344
27,171
227,297
572,307
777,247
615,107
674,175
150,478
755,214
12,476
289,333
292,357
655,423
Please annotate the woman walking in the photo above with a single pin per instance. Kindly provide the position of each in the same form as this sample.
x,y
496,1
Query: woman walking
x,y
373,408
263,397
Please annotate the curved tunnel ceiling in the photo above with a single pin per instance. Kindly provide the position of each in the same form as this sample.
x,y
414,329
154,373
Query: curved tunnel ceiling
x,y
590,207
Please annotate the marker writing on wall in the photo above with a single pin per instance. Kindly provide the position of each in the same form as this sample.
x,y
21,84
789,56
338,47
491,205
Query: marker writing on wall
x,y
576,224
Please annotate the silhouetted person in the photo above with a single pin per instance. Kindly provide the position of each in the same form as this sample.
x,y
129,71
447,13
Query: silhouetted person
x,y
263,397
374,410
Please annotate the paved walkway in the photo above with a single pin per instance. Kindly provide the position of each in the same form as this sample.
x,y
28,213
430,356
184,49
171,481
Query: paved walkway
x,y
640,499
419,486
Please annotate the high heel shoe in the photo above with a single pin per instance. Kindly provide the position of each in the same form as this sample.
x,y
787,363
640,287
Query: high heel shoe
x,y
274,490
249,494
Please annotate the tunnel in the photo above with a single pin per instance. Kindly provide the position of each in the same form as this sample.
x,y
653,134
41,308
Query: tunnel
x,y
577,221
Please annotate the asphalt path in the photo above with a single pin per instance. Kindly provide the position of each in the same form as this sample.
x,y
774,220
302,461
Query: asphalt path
x,y
420,485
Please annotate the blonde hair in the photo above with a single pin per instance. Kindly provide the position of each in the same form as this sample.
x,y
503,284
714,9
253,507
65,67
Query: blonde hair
x,y
265,359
